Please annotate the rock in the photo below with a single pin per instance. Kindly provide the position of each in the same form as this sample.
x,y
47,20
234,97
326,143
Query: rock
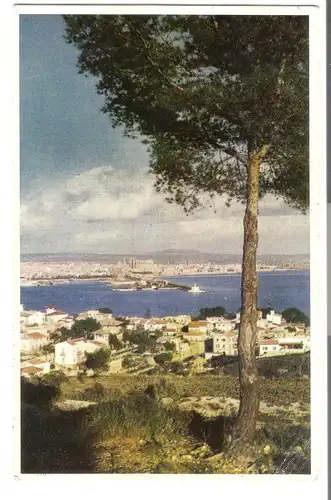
x,y
167,401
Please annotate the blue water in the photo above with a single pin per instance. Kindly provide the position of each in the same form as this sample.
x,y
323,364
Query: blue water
x,y
279,290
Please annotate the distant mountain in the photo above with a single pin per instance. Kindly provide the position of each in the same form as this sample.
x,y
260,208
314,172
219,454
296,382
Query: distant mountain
x,y
171,256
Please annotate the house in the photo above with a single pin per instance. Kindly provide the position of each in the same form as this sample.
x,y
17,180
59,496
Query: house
x,y
200,326
195,336
170,331
111,325
295,343
268,346
181,320
50,309
31,371
33,318
54,317
73,351
43,365
221,324
31,342
190,349
101,336
225,343
274,318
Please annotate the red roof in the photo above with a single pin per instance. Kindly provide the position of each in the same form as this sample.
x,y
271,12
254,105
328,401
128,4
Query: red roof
x,y
36,336
35,361
74,341
269,342
31,370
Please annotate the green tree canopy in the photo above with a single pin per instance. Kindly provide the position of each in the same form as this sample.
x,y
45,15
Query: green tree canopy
x,y
163,357
222,103
294,315
114,342
205,92
206,312
84,327
98,360
105,310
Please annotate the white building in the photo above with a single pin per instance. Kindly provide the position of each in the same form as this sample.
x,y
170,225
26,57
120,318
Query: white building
x,y
73,351
56,316
268,346
274,318
297,342
33,318
32,342
221,324
195,336
200,326
42,365
50,309
225,343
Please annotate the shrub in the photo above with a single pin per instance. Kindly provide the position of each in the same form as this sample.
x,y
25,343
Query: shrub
x,y
98,360
163,357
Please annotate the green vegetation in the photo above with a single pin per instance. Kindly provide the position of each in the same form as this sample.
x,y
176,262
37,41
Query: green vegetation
x,y
206,312
163,357
114,342
166,81
98,360
80,328
130,430
105,310
170,346
294,315
142,339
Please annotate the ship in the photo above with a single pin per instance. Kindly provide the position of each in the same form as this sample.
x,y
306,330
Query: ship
x,y
195,289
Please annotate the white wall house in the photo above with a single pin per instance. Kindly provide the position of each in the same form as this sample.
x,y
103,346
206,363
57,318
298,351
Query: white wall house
x,y
301,342
73,351
33,317
56,316
50,309
274,318
195,336
200,326
268,346
32,342
226,343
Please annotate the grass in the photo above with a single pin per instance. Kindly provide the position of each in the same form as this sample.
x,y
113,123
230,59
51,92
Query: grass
x,y
275,392
130,431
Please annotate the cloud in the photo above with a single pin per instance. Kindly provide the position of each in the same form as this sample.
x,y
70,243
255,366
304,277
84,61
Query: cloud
x,y
118,210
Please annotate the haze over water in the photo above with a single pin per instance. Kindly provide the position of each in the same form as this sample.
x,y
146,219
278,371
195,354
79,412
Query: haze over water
x,y
279,290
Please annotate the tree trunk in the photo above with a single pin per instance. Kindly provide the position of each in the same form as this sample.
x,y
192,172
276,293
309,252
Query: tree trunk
x,y
244,427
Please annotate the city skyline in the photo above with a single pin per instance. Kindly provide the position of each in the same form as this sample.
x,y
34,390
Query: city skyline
x,y
86,188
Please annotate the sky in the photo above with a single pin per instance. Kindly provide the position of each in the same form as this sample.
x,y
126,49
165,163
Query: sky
x,y
86,188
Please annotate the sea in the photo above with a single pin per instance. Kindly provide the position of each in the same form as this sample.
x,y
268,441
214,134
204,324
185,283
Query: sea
x,y
277,289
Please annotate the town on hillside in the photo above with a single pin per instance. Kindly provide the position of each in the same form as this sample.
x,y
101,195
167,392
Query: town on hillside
x,y
98,340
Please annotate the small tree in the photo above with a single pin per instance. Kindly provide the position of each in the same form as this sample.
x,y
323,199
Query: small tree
x,y
163,357
105,310
170,346
206,312
294,315
114,343
97,360
84,327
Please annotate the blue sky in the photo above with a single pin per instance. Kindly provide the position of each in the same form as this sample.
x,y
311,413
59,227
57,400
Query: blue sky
x,y
63,131
86,188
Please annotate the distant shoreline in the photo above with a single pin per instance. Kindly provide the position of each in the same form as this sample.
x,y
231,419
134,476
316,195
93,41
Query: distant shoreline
x,y
64,281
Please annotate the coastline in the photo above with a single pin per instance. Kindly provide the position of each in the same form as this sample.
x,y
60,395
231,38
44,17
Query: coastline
x,y
63,281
